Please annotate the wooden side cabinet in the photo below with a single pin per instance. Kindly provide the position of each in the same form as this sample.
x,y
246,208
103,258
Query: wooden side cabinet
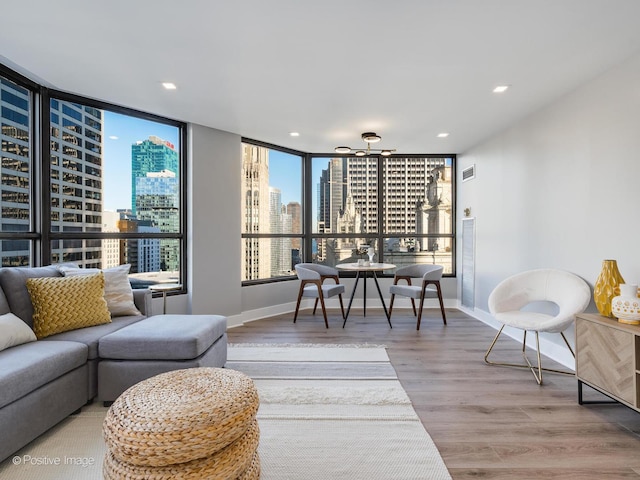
x,y
608,358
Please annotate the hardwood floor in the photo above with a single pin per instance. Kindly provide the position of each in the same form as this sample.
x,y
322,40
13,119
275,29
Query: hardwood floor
x,y
487,422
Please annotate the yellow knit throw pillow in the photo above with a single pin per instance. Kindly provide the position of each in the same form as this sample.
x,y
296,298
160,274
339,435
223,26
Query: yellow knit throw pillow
x,y
67,303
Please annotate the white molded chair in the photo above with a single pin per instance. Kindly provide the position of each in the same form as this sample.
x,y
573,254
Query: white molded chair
x,y
569,292
430,286
312,277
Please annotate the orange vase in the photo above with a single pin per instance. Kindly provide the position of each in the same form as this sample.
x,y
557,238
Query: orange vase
x,y
607,286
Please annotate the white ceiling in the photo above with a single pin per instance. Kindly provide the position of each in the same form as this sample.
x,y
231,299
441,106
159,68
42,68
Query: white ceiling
x,y
329,69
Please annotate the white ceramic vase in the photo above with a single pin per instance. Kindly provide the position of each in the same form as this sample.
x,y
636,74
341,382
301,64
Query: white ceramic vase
x,y
371,252
626,306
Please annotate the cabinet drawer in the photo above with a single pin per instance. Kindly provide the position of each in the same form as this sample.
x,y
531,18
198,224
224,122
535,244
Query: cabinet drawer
x,y
605,358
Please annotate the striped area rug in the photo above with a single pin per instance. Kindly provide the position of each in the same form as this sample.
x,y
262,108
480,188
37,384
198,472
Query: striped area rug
x,y
326,412
335,412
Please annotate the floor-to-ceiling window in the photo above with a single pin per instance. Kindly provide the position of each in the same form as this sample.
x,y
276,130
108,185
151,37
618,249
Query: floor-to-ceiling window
x,y
272,207
418,220
104,186
402,206
16,187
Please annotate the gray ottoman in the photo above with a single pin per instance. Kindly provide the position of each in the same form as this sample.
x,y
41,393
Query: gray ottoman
x,y
159,344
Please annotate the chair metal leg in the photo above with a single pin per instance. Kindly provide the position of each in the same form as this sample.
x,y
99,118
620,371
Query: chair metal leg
x,y
536,370
315,305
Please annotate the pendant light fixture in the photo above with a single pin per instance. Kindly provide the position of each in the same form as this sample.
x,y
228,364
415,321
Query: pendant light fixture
x,y
369,138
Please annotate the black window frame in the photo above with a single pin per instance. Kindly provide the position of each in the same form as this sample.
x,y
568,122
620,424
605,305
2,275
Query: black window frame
x,y
380,234
245,235
41,234
307,209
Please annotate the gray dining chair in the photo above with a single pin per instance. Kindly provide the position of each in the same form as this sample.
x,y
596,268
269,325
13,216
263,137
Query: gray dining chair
x,y
312,277
429,275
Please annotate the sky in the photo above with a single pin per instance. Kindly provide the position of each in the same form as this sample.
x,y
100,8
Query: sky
x,y
285,173
117,153
122,131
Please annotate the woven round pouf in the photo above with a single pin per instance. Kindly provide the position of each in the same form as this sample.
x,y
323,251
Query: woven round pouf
x,y
253,472
180,416
236,461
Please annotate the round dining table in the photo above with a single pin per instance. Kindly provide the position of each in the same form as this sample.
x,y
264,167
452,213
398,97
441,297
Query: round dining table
x,y
363,269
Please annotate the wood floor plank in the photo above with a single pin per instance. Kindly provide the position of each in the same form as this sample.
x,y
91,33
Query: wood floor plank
x,y
544,474
487,422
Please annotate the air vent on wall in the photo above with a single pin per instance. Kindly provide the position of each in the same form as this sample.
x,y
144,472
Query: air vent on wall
x,y
469,173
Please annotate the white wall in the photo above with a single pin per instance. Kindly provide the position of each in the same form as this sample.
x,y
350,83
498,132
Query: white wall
x,y
561,188
214,222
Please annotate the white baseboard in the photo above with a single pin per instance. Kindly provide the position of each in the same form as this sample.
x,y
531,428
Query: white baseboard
x,y
333,303
260,313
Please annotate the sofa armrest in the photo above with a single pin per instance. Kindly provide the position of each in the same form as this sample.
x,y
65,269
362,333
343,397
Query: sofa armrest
x,y
142,299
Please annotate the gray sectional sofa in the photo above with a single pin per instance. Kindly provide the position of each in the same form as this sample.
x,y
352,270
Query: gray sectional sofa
x,y
44,381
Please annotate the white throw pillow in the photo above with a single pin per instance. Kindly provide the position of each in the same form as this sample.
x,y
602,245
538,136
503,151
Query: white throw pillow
x,y
117,289
14,331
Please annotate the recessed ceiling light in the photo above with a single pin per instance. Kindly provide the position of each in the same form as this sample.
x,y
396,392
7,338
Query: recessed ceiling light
x,y
169,85
294,134
113,137
500,89
443,135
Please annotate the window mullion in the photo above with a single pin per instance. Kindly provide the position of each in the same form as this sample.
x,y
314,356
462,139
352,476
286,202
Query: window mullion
x,y
43,194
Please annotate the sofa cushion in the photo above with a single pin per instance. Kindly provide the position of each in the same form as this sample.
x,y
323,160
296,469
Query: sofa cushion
x,y
4,303
90,336
67,303
32,365
13,331
13,281
164,337
117,288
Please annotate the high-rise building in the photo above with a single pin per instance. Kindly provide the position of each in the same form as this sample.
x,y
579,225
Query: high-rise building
x,y
128,247
76,176
16,171
157,201
279,222
149,250
151,155
332,192
76,181
295,210
110,246
255,201
434,214
417,200
406,182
